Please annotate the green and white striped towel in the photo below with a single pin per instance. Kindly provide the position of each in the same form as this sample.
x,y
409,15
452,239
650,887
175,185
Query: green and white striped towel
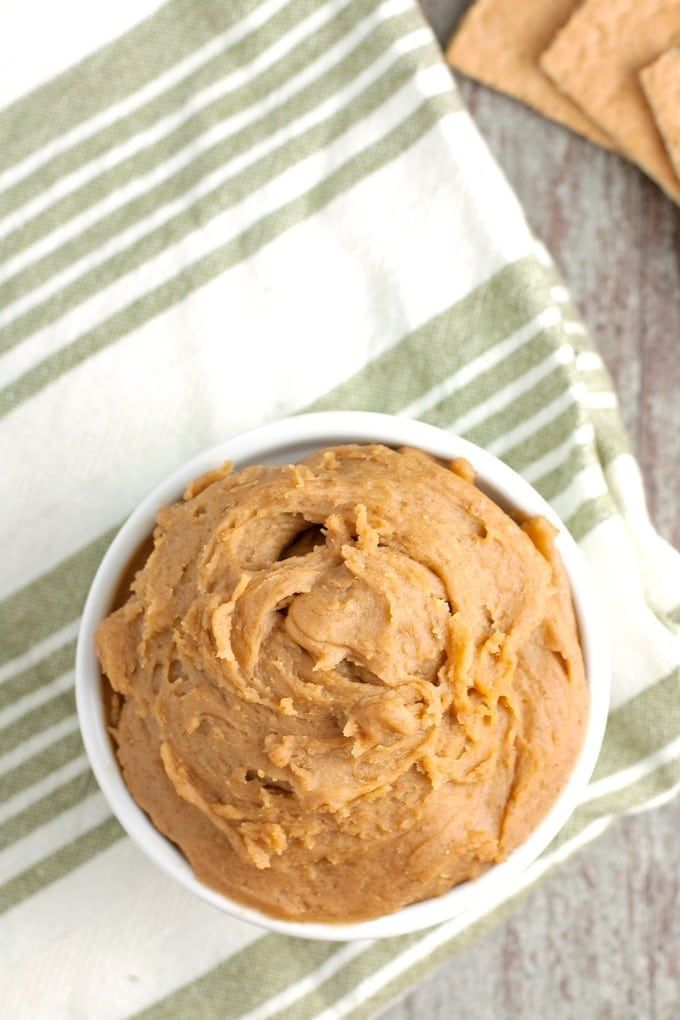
x,y
217,215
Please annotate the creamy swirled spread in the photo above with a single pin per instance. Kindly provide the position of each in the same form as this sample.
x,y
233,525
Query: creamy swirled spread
x,y
345,685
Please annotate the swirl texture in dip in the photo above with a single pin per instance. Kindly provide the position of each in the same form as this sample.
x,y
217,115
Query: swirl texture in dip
x,y
345,685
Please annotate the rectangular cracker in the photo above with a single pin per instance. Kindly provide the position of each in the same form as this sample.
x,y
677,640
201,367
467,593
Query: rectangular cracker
x,y
595,60
499,43
661,84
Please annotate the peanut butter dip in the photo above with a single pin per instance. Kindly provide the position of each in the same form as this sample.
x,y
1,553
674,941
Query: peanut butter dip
x,y
345,685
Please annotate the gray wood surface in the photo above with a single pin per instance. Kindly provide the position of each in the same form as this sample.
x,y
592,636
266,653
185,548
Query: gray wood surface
x,y
599,939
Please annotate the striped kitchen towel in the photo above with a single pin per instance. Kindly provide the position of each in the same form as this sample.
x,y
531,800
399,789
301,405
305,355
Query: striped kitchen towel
x,y
214,213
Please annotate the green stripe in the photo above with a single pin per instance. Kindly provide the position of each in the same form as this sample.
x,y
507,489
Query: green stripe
x,y
346,979
239,249
418,971
37,720
48,807
60,863
580,342
610,434
591,513
344,982
631,797
642,726
115,71
237,187
275,961
661,780
447,342
569,311
50,602
502,373
545,439
41,764
555,481
36,676
521,408
674,616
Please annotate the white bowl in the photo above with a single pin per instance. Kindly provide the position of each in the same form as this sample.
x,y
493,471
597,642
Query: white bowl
x,y
284,442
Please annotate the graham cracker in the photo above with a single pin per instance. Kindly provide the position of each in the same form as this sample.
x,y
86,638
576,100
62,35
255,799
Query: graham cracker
x,y
499,43
595,60
661,84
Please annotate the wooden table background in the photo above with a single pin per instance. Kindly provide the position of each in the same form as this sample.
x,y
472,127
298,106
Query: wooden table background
x,y
600,939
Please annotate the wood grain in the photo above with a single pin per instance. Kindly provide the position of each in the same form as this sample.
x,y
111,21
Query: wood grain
x,y
601,937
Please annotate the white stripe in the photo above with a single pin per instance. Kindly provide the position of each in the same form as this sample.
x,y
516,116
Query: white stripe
x,y
39,651
224,129
626,777
559,294
588,361
36,698
25,798
290,184
583,435
38,742
164,213
537,421
643,650
57,833
544,320
658,562
661,798
589,483
155,88
604,401
573,328
506,395
308,983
